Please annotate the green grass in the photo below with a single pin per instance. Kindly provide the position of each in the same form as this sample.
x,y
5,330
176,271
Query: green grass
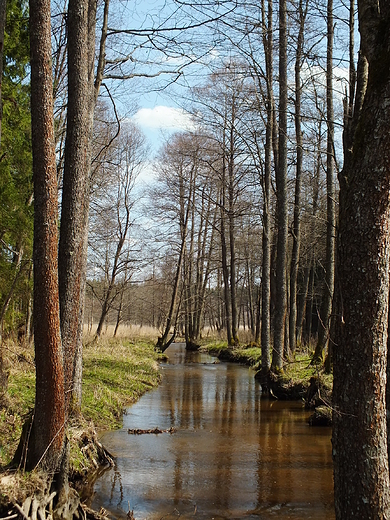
x,y
294,371
17,403
116,372
215,347
248,355
301,370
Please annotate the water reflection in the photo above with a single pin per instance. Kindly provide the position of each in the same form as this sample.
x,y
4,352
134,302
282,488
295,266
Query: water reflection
x,y
234,455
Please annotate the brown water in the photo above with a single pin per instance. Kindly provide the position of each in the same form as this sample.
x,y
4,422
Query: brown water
x,y
234,455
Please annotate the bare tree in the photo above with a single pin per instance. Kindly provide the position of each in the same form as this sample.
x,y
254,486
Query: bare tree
x,y
178,170
281,194
112,219
302,11
326,311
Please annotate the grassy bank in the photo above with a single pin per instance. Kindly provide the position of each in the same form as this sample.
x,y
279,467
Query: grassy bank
x,y
116,373
296,371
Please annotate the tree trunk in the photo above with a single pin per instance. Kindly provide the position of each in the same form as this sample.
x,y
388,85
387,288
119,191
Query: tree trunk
x,y
118,314
309,305
298,182
267,230
3,10
46,440
250,306
75,194
326,308
281,194
231,220
163,342
361,472
301,304
225,267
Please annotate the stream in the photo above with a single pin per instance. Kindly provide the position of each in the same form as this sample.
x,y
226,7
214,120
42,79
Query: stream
x,y
233,455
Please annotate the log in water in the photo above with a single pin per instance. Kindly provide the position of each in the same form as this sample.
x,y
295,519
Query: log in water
x,y
233,454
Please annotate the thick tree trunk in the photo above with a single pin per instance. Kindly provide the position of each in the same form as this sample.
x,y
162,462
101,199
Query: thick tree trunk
x,y
46,440
75,194
361,472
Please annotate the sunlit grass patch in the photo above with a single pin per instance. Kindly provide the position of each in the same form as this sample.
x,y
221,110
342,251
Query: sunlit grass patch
x,y
248,355
301,369
116,373
251,355
214,347
19,399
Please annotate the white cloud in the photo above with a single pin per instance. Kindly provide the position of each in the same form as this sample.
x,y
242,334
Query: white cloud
x,y
165,118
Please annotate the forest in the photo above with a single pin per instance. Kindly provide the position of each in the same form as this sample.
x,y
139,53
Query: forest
x,y
265,220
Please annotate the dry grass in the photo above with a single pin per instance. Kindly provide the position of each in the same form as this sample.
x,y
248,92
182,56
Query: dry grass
x,y
130,332
209,335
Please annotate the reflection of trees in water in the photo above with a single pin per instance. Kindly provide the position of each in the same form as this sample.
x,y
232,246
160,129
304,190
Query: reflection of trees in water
x,y
225,410
232,449
286,473
117,479
186,412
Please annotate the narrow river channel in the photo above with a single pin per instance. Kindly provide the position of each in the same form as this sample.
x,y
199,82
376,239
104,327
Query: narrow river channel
x,y
233,455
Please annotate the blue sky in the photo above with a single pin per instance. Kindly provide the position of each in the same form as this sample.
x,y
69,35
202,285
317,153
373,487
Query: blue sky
x,y
161,120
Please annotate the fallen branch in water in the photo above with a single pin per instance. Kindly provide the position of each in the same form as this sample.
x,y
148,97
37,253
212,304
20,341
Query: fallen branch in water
x,y
137,431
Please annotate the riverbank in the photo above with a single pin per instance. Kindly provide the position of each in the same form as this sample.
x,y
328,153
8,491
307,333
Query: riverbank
x,y
116,372
299,380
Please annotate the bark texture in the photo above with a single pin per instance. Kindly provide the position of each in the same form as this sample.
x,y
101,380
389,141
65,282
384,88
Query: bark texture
x,y
75,195
47,436
302,10
361,473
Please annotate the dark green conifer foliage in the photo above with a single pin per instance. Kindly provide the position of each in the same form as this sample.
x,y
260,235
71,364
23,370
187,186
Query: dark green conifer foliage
x,y
16,204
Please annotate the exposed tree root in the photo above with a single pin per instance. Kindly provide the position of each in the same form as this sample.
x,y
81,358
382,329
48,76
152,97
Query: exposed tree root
x,y
36,500
41,507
